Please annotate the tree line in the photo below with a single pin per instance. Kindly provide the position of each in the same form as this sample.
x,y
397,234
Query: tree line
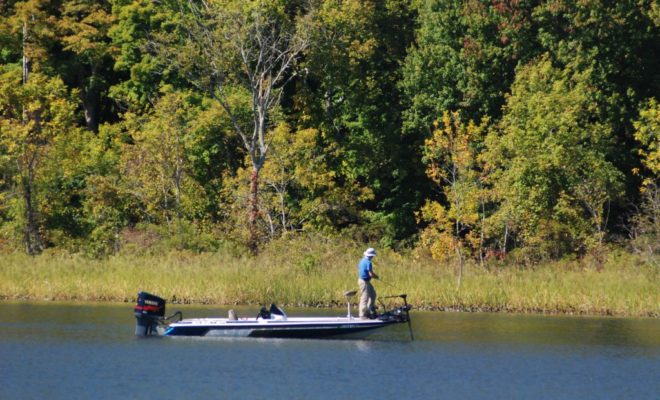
x,y
470,128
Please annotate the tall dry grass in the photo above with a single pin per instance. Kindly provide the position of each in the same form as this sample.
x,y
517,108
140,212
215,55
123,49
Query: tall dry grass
x,y
316,271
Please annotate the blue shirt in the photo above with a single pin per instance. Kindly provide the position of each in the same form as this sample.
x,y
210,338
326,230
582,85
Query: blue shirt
x,y
364,267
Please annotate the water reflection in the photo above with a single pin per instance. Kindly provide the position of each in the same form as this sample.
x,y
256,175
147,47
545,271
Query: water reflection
x,y
532,329
66,320
89,351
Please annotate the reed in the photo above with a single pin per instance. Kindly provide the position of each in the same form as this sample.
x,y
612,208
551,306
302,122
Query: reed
x,y
315,272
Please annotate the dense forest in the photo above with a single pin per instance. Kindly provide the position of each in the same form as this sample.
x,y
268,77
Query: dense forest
x,y
473,129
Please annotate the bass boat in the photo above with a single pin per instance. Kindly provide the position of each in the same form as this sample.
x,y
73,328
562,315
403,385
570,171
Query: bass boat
x,y
269,323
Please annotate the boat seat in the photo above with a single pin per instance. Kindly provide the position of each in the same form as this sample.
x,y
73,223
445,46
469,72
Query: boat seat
x,y
263,313
277,313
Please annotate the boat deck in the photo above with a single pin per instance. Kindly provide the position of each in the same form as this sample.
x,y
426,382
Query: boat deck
x,y
288,321
280,327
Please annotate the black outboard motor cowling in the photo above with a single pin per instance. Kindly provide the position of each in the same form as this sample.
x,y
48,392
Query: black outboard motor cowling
x,y
150,313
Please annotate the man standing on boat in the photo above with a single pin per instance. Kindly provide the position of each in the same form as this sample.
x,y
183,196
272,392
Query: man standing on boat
x,y
367,291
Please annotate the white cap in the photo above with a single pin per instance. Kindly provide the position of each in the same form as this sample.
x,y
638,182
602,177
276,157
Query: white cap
x,y
370,252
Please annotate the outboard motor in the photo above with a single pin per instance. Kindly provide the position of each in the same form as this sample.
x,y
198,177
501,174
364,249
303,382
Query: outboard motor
x,y
150,314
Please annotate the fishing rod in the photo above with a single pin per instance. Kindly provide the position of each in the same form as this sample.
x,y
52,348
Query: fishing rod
x,y
386,283
386,297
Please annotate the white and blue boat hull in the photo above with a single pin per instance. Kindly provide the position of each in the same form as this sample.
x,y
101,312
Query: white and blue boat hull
x,y
289,328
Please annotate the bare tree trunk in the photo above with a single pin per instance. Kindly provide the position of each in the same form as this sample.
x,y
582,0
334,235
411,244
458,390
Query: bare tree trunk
x,y
90,103
457,206
459,254
271,225
178,174
601,223
177,191
282,211
483,224
506,238
26,60
253,238
31,237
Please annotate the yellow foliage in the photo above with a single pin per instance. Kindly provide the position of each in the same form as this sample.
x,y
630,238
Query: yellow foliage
x,y
437,236
453,164
647,132
297,187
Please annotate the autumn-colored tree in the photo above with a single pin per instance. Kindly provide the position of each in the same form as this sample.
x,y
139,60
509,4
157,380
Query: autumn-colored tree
x,y
451,157
302,188
647,133
299,191
340,96
646,221
33,21
32,114
83,30
157,164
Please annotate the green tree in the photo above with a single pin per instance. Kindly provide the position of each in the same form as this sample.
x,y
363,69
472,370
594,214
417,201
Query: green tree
x,y
108,206
250,47
464,58
62,184
619,43
553,177
350,93
141,70
433,72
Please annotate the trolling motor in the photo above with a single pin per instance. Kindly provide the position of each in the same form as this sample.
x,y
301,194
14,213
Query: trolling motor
x,y
399,314
150,314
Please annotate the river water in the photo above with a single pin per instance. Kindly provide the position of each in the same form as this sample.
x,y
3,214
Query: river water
x,y
67,351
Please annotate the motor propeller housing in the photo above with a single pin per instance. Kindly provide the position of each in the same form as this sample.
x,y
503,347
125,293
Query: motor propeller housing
x,y
150,314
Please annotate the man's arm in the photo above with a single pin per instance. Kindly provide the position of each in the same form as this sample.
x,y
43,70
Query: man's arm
x,y
373,275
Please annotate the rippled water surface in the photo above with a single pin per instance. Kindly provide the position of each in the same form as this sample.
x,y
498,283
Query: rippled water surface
x,y
64,351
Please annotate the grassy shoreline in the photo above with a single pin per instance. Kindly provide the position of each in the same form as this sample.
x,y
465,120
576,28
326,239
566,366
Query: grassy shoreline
x,y
305,274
